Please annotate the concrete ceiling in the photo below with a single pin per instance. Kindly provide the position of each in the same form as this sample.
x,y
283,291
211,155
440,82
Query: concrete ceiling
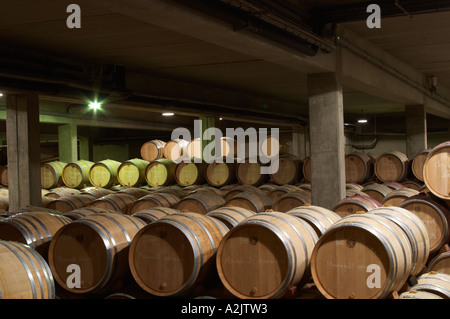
x,y
109,36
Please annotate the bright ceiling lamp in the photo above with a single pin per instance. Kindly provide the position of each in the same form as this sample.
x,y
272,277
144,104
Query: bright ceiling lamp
x,y
94,105
168,114
362,121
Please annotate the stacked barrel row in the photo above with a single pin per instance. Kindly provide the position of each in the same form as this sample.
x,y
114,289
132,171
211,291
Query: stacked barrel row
x,y
173,240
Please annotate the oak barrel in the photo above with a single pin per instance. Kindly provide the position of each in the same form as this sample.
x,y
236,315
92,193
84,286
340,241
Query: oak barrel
x,y
76,174
307,168
361,256
98,244
353,204
419,294
4,175
171,255
200,202
85,211
115,202
395,198
435,215
282,190
220,174
289,170
149,215
358,167
440,263
95,192
154,200
418,162
176,149
153,150
416,231
291,200
35,229
436,171
24,273
318,217
132,172
62,191
160,172
248,173
104,173
51,174
67,203
392,166
231,216
435,283
187,174
254,201
265,255
376,191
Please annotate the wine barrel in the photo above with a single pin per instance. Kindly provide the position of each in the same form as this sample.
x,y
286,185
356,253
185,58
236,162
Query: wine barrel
x,y
250,174
4,175
153,150
76,174
318,217
376,191
115,202
176,149
231,216
265,255
135,191
220,174
354,186
412,184
256,202
174,190
153,200
149,215
355,247
435,283
25,273
291,200
85,211
392,166
187,174
435,216
307,168
132,172
440,263
104,173
268,187
418,294
98,245
283,190
418,162
200,202
180,251
395,198
243,188
96,192
416,231
65,204
35,229
4,202
289,170
436,171
194,149
51,174
160,172
353,204
272,146
394,185
62,191
358,167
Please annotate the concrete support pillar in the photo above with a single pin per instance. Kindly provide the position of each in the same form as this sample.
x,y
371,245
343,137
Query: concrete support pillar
x,y
68,143
327,142
84,148
299,142
416,130
23,139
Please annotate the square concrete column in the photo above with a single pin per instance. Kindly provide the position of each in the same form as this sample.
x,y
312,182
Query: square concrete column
x,y
327,142
207,122
299,142
68,143
23,139
85,148
416,130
